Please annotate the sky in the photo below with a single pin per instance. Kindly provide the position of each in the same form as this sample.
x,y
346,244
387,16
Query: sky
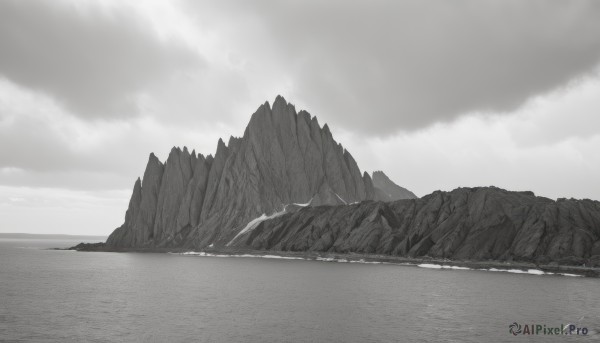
x,y
437,94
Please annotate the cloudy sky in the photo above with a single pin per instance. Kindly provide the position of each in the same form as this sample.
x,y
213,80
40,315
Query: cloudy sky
x,y
437,94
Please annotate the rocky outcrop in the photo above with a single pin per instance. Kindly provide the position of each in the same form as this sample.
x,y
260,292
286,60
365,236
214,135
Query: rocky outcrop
x,y
284,158
465,224
387,190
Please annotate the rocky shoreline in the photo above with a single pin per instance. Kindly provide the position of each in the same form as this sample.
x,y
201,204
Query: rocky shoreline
x,y
490,265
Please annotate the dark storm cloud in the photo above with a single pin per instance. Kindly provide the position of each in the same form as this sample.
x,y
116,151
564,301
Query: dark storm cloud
x,y
383,66
93,60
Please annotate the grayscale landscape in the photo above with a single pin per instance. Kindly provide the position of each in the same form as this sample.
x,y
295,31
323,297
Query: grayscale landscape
x,y
245,171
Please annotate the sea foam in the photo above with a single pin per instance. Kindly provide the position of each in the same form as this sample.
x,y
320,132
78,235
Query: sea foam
x,y
362,261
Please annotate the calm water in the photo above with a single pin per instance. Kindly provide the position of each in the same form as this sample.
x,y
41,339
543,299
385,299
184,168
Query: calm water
x,y
59,296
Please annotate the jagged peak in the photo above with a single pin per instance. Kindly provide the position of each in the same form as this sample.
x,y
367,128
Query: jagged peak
x,y
137,188
221,147
280,100
153,158
232,140
348,156
378,174
305,115
314,119
173,154
176,152
261,112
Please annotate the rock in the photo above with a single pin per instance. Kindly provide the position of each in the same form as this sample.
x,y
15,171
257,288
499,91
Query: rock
x,y
387,190
283,158
89,247
484,223
310,195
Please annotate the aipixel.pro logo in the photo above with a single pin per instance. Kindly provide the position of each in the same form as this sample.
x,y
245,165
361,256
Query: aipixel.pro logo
x,y
543,329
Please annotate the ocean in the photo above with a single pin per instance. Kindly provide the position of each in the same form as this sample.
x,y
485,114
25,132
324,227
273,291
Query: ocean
x,y
68,296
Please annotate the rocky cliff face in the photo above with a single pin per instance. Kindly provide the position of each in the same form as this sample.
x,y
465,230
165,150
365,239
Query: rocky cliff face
x,y
467,223
287,185
283,158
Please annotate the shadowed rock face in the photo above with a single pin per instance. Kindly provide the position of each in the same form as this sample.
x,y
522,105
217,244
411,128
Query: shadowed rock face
x,y
283,158
467,223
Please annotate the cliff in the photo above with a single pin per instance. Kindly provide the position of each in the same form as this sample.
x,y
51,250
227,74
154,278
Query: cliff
x,y
283,158
485,223
287,185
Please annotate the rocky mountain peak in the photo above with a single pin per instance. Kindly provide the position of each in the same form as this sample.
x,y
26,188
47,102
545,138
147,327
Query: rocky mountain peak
x,y
283,158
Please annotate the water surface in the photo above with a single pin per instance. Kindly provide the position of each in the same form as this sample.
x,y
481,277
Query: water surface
x,y
57,296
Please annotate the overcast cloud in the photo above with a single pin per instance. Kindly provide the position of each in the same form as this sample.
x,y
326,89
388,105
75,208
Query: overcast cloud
x,y
400,65
437,94
92,59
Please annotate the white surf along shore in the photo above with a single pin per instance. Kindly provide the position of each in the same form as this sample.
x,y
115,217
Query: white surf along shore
x,y
537,272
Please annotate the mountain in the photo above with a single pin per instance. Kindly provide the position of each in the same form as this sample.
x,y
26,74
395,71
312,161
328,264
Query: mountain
x,y
284,161
484,223
387,190
287,185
